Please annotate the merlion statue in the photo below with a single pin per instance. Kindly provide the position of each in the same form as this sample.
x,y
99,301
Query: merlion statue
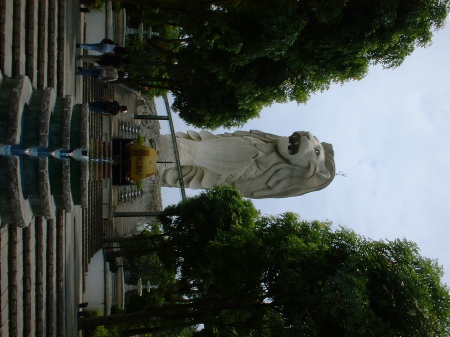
x,y
258,164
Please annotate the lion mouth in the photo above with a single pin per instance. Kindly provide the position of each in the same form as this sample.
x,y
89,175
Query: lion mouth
x,y
294,143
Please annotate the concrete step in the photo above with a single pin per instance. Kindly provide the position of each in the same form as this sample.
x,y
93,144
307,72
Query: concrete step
x,y
29,281
31,47
67,118
20,95
53,34
6,37
19,21
47,106
28,284
33,41
50,318
20,210
40,254
62,58
60,273
28,40
42,44
4,309
15,284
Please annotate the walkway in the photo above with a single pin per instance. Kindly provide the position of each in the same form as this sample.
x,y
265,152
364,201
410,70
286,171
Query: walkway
x,y
44,261
41,264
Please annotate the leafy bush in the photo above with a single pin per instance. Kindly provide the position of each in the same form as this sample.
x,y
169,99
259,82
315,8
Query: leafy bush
x,y
96,4
101,331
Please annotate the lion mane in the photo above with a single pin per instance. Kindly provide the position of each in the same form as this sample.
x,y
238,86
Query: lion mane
x,y
284,180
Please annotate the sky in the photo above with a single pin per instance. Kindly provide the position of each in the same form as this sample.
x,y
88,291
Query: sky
x,y
391,136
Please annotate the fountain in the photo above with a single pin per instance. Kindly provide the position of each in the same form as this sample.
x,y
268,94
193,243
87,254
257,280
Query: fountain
x,y
45,152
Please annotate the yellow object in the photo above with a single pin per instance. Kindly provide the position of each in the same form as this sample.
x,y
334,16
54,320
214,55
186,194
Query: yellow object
x,y
143,161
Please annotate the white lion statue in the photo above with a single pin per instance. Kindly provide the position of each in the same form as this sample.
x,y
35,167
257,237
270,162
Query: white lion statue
x,y
258,164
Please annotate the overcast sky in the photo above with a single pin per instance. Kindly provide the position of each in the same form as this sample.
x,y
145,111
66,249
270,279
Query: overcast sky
x,y
390,133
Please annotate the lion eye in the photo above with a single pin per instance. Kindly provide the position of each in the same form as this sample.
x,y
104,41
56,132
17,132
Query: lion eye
x,y
317,152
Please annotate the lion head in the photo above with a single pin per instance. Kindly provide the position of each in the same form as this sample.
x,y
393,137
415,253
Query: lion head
x,y
304,165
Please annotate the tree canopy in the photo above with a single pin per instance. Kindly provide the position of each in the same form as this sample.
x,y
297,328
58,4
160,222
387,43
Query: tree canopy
x,y
225,60
241,273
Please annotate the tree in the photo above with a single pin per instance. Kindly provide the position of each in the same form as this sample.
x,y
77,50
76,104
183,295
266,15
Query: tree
x,y
249,275
341,284
250,54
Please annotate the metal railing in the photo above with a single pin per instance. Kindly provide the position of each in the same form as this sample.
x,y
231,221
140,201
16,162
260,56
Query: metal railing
x,y
168,118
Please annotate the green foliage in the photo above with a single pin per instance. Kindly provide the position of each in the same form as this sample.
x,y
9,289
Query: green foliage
x,y
140,140
341,284
195,101
96,4
101,331
220,208
116,6
225,60
307,278
194,225
237,273
166,31
93,313
186,332
139,184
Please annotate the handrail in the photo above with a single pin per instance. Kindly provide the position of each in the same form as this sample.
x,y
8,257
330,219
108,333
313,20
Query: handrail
x,y
175,149
174,141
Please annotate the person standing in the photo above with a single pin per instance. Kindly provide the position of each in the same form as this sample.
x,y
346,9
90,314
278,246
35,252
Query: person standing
x,y
105,60
105,46
103,74
107,107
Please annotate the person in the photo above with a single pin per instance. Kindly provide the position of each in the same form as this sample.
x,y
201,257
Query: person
x,y
105,60
103,74
105,46
107,107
